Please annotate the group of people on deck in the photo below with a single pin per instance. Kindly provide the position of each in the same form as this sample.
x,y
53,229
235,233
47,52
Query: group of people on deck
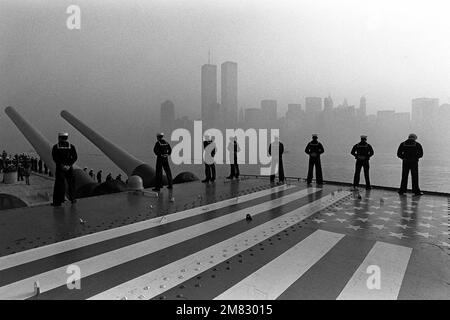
x,y
409,151
24,164
98,177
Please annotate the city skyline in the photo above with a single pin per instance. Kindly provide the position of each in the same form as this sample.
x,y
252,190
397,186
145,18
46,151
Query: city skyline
x,y
134,57
337,123
209,98
380,51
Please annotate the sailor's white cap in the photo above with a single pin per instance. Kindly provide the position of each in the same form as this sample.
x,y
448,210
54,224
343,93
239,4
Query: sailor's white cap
x,y
412,136
363,136
63,134
315,135
160,134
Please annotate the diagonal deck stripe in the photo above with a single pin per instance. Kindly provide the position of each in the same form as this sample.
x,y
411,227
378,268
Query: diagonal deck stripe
x,y
160,280
57,277
426,277
66,258
39,266
112,277
331,273
274,278
214,281
392,261
75,243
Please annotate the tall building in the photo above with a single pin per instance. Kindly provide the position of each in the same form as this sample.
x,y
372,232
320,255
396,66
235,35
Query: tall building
x,y
327,104
385,115
269,112
313,104
229,93
294,107
293,116
423,110
402,119
167,116
345,103
209,92
362,110
217,115
253,117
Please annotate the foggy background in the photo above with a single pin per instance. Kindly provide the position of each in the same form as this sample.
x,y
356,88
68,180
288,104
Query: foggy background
x,y
131,56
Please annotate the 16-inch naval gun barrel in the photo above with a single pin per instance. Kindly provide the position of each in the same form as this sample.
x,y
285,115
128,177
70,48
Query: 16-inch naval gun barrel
x,y
126,162
34,137
83,183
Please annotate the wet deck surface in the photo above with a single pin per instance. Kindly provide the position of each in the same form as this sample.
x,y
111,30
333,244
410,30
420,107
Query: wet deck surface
x,y
326,240
39,191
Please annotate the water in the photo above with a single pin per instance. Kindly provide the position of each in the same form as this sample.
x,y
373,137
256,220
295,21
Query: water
x,y
385,168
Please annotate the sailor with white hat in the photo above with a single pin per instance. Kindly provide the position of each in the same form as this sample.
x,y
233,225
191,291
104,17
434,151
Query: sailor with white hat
x,y
64,155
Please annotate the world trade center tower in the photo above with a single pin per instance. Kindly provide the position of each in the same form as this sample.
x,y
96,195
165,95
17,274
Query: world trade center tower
x,y
209,92
229,92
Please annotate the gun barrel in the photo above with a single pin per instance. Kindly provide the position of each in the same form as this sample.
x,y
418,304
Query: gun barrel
x,y
126,162
44,150
34,137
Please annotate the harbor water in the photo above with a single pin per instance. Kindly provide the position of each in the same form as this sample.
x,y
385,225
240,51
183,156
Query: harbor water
x,y
385,168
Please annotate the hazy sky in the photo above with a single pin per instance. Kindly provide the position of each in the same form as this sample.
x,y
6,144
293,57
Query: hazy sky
x,y
131,55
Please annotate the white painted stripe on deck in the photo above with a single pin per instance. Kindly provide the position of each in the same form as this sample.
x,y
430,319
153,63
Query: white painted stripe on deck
x,y
75,243
392,261
57,277
160,280
270,281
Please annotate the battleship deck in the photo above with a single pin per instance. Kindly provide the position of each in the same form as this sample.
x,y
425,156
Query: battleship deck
x,y
301,243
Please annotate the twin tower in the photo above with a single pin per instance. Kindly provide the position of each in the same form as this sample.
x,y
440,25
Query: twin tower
x,y
225,113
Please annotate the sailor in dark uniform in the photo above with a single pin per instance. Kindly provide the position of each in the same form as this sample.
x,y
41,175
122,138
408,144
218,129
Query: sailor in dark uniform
x,y
314,149
99,176
277,147
233,149
162,151
362,152
212,147
410,151
91,174
64,155
210,152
